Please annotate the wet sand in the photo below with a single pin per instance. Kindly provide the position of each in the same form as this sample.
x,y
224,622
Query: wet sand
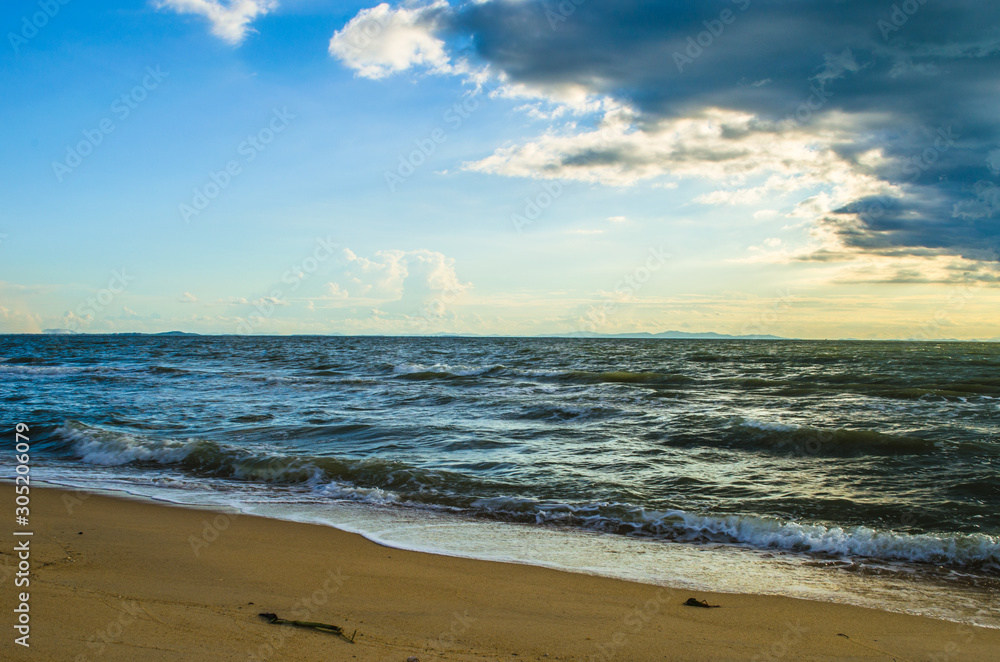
x,y
119,579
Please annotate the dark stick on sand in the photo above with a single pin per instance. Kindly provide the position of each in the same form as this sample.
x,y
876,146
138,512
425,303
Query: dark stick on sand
x,y
322,627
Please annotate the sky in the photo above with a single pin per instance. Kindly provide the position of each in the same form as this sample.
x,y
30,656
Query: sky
x,y
514,167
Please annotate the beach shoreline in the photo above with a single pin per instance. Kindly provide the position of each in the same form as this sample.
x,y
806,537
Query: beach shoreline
x,y
115,577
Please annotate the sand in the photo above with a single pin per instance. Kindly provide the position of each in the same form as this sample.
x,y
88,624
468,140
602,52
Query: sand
x,y
119,579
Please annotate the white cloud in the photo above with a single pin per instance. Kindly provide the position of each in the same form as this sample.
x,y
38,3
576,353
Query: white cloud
x,y
336,291
410,278
230,19
993,161
381,41
617,219
14,321
721,145
187,297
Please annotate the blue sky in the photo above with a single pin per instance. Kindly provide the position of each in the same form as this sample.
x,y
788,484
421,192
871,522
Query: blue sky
x,y
500,167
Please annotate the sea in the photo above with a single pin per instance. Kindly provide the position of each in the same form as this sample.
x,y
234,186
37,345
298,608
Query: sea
x,y
864,473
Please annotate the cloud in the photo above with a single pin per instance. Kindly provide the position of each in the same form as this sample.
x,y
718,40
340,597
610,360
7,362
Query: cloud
x,y
187,297
396,279
19,321
381,40
820,108
230,19
617,219
993,161
336,291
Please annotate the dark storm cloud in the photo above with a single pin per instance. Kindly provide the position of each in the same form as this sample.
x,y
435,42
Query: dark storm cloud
x,y
919,81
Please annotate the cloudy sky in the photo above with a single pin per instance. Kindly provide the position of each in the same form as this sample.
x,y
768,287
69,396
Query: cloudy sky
x,y
810,169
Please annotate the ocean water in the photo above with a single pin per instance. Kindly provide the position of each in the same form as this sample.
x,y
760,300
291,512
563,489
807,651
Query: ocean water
x,y
858,472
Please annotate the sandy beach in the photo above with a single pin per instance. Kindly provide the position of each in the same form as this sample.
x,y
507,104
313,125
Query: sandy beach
x,y
118,579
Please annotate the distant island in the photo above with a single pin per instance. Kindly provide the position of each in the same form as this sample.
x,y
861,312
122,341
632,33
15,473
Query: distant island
x,y
71,332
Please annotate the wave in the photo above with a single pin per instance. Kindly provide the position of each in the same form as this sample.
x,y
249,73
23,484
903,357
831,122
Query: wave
x,y
561,413
15,360
168,370
750,433
382,481
100,446
626,377
788,438
957,549
445,371
36,369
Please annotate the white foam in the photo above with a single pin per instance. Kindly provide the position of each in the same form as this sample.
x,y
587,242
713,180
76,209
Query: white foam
x,y
768,426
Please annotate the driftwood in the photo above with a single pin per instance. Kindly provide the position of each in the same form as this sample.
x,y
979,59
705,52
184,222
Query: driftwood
x,y
691,602
322,627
